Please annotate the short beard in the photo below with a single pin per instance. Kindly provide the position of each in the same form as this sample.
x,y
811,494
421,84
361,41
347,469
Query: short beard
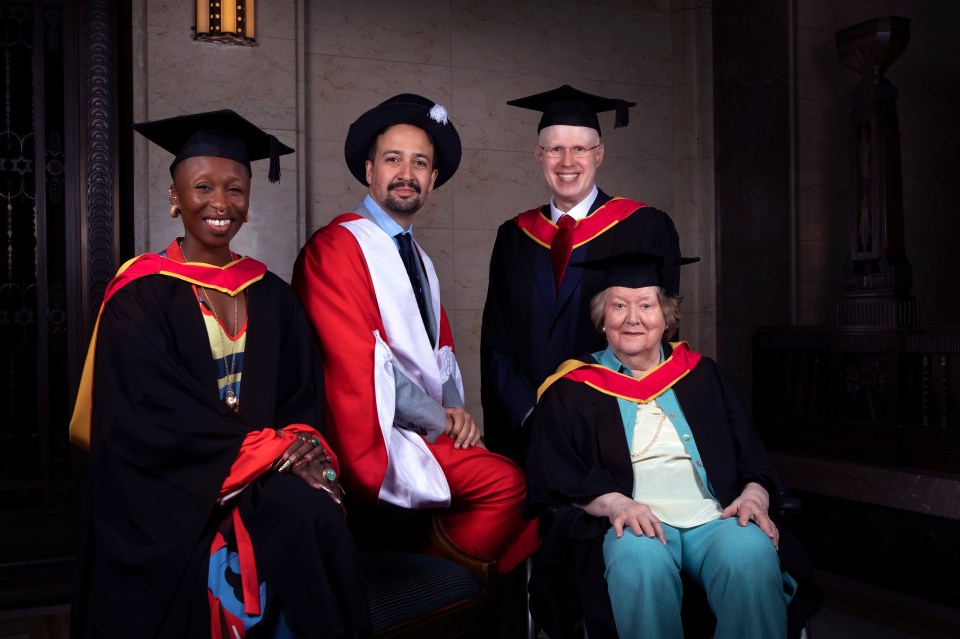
x,y
408,206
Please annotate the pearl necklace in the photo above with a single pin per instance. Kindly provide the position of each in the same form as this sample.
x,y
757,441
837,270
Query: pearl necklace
x,y
230,365
639,455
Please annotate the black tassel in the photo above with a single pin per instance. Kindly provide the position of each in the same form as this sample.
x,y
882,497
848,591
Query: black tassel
x,y
622,117
274,172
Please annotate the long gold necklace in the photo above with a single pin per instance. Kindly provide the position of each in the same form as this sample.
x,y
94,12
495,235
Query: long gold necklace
x,y
229,365
637,456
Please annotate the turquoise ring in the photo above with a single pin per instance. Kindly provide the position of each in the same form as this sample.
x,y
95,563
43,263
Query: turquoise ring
x,y
314,441
329,474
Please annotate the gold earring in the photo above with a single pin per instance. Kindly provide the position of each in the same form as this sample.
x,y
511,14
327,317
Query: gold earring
x,y
246,218
174,209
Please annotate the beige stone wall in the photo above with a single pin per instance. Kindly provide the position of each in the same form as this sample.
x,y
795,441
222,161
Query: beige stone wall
x,y
319,63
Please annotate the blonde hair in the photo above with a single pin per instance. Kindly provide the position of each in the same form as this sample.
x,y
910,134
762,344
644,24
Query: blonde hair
x,y
669,305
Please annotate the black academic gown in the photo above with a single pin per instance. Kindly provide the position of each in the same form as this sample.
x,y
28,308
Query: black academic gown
x,y
529,327
578,451
162,443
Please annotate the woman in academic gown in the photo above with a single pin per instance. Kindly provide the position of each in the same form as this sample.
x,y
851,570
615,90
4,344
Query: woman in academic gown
x,y
643,467
212,507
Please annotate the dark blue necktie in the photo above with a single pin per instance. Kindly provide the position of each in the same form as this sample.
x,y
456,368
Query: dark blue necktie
x,y
408,257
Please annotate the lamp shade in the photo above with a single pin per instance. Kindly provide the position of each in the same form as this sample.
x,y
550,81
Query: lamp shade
x,y
226,21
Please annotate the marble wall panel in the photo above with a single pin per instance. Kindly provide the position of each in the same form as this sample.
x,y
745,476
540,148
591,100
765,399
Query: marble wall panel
x,y
417,32
497,185
699,330
484,118
466,335
650,132
820,74
820,269
437,213
631,46
273,242
649,181
935,30
924,135
332,188
466,338
816,305
533,36
818,15
822,142
924,201
473,406
695,296
257,82
438,244
826,205
472,265
693,188
163,230
818,261
341,88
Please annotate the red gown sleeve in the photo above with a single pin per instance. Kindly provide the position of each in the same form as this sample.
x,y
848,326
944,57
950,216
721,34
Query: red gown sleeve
x,y
331,278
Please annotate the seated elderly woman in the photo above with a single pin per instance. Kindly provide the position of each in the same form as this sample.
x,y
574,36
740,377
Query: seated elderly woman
x,y
644,466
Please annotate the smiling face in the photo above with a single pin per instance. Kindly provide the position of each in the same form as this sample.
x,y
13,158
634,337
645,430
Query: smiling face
x,y
213,195
570,179
633,323
400,171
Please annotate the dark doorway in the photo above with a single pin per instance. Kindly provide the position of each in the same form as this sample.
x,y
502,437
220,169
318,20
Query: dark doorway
x,y
64,90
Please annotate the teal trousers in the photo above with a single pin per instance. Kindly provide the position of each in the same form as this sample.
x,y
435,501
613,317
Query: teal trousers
x,y
737,566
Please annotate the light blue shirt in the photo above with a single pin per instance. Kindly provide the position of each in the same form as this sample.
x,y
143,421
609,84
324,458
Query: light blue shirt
x,y
667,401
384,221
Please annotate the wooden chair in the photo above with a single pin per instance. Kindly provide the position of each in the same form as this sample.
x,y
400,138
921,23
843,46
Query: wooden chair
x,y
423,596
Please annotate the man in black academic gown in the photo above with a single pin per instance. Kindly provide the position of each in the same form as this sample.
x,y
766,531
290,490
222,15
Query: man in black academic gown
x,y
536,314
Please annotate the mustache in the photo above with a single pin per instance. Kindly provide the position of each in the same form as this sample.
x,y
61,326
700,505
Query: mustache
x,y
410,184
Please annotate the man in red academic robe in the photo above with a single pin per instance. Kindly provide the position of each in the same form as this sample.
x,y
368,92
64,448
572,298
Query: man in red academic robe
x,y
394,390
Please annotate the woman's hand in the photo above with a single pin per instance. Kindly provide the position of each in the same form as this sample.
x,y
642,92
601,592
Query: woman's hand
x,y
753,505
462,429
308,459
624,512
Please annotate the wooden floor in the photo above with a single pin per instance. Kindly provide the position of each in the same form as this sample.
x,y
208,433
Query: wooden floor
x,y
854,610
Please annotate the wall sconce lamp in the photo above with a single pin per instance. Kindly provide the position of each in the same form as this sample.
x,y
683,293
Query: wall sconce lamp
x,y
225,21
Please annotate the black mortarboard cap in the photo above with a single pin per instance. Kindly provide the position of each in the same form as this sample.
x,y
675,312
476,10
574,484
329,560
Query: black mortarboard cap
x,y
636,269
222,134
566,105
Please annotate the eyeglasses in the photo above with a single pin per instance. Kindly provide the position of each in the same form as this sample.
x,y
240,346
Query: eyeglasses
x,y
575,151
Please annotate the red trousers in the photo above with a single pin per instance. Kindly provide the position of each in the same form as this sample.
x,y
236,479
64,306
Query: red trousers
x,y
487,492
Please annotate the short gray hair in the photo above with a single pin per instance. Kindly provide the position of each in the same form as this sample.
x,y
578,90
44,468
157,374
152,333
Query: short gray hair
x,y
669,304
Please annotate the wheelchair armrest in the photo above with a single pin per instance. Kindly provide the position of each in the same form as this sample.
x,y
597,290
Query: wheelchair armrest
x,y
786,505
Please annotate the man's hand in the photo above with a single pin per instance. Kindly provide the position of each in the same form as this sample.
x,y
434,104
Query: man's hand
x,y
462,429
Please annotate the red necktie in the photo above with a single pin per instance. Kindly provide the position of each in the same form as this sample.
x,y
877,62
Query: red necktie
x,y
560,247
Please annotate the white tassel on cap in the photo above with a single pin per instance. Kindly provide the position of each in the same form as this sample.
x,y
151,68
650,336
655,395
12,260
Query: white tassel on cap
x,y
438,114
